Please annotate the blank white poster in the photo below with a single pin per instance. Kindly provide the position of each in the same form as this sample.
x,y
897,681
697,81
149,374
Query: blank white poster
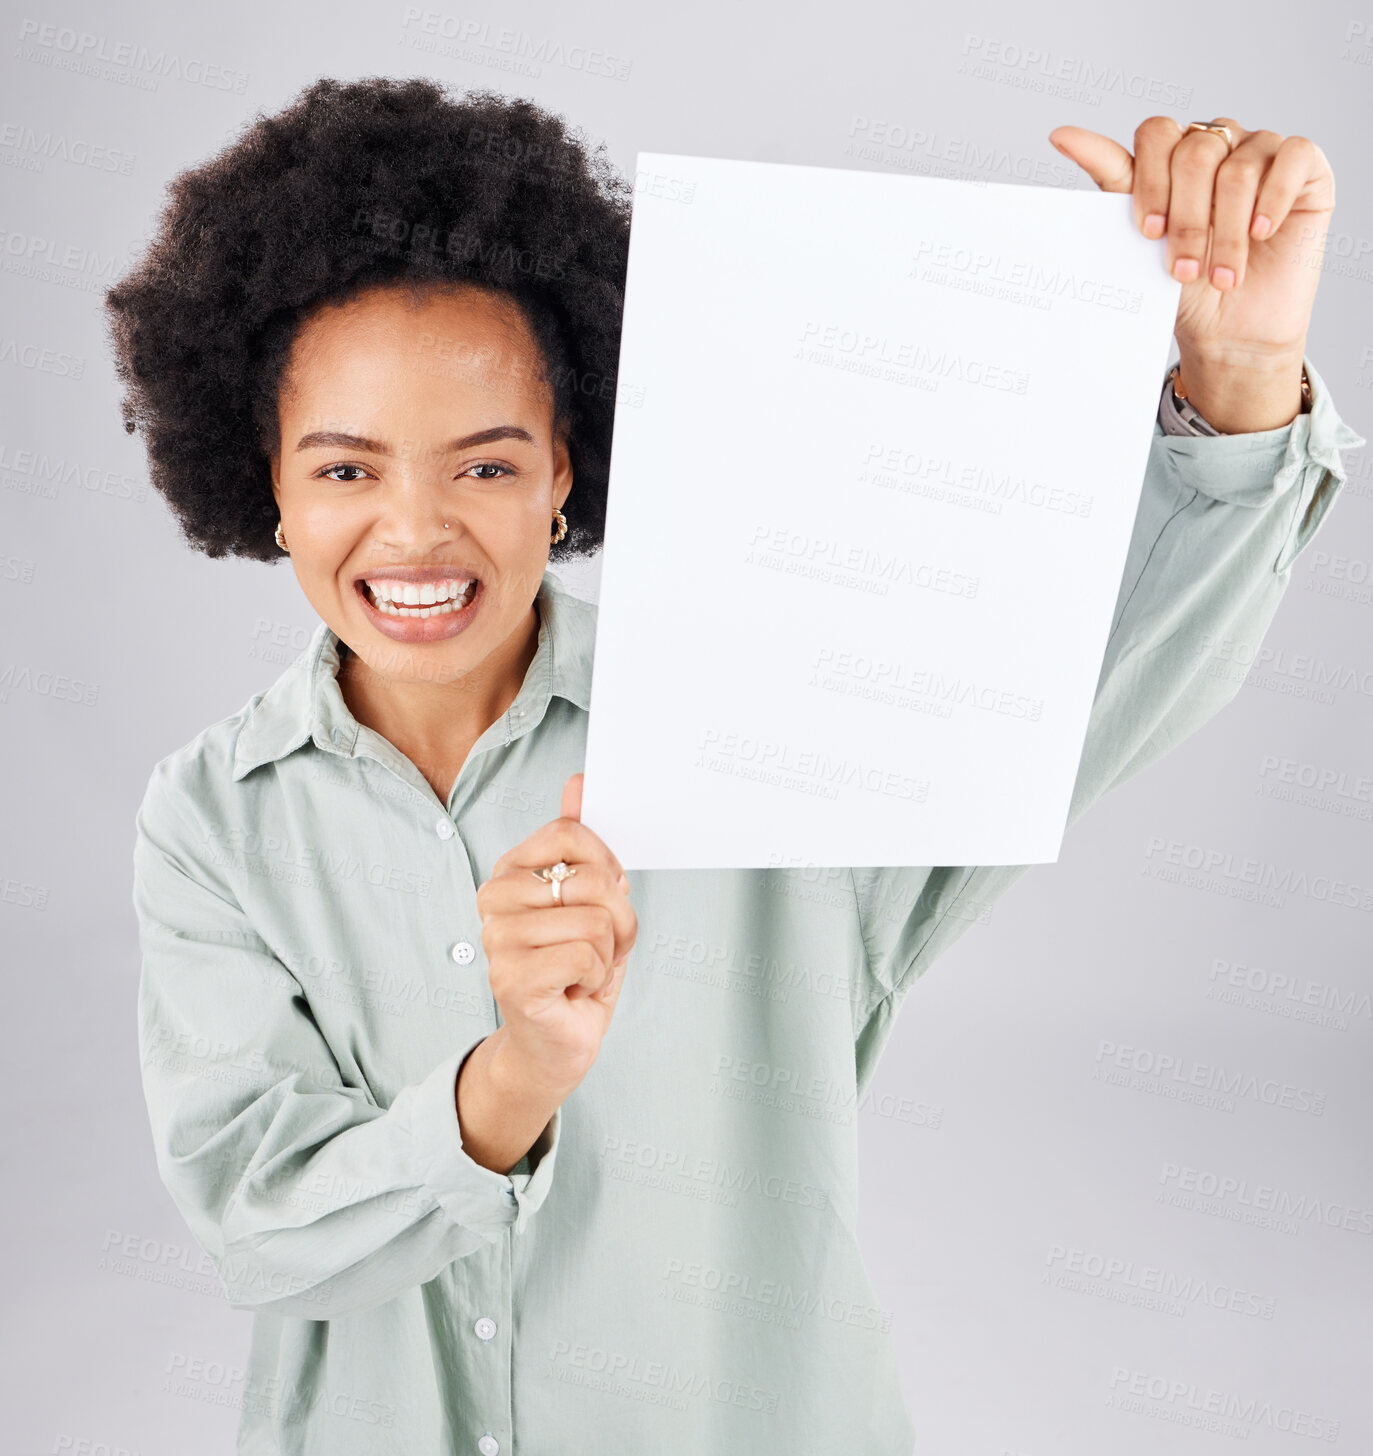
x,y
879,444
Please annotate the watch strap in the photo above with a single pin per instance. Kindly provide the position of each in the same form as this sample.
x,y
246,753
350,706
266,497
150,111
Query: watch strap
x,y
1179,416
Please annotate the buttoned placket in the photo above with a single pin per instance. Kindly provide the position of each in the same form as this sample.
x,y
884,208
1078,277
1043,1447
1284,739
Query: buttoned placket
x,y
481,1284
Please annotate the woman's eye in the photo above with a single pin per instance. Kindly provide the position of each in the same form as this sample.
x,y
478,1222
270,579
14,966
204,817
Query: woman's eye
x,y
490,465
327,472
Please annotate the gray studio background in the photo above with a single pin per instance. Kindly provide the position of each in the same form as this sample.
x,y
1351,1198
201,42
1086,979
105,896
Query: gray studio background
x,y
1019,1206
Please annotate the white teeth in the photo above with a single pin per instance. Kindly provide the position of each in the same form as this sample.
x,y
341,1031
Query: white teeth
x,y
432,599
413,595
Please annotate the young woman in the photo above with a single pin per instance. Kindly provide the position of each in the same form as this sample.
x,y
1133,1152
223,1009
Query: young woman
x,y
378,334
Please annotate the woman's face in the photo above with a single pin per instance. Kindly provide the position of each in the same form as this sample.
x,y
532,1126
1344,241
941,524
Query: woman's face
x,y
395,417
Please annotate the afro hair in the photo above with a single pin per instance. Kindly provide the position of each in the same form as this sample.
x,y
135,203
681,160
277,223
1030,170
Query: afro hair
x,y
352,185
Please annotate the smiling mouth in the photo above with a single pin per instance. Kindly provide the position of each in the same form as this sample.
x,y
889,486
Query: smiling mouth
x,y
417,610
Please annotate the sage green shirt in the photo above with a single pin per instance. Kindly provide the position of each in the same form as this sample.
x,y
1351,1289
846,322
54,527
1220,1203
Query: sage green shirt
x,y
675,1269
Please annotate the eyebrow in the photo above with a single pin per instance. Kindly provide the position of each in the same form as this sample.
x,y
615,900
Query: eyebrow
x,y
335,439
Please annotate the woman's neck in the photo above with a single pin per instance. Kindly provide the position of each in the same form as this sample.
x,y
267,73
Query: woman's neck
x,y
435,724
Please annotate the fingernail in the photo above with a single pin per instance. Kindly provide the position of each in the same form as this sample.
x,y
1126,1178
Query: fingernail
x,y
1261,226
1223,277
1154,225
624,884
1185,270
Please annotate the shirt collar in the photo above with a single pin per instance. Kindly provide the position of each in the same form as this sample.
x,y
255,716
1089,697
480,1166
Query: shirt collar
x,y
305,703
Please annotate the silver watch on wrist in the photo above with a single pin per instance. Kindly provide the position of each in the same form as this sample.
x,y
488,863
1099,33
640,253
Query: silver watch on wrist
x,y
1179,416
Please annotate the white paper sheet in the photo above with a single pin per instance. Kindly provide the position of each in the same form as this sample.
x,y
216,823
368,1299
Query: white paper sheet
x,y
879,444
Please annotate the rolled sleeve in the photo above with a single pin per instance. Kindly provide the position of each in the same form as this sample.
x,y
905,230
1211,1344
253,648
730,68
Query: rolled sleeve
x,y
473,1195
311,1198
1296,468
1221,519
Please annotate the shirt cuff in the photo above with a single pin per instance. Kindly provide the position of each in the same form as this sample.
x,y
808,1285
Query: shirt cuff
x,y
473,1196
1255,467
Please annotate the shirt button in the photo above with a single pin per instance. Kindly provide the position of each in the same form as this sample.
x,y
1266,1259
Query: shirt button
x,y
485,1328
444,828
488,1445
462,952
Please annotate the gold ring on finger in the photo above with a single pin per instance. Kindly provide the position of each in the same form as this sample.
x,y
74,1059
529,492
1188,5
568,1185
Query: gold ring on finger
x,y
555,875
1219,128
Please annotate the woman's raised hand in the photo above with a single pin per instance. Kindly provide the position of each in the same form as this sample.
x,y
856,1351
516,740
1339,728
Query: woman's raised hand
x,y
556,969
1244,232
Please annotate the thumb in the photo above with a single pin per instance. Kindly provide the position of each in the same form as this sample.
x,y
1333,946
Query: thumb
x,y
572,798
1107,163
